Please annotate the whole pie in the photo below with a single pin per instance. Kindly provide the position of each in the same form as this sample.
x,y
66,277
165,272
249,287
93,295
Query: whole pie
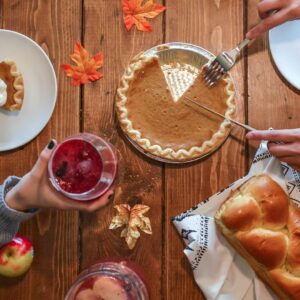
x,y
11,86
173,130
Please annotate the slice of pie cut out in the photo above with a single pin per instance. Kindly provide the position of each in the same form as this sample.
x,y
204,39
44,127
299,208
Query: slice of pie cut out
x,y
173,130
13,80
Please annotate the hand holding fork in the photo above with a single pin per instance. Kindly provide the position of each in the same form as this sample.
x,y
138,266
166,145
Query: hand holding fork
x,y
272,13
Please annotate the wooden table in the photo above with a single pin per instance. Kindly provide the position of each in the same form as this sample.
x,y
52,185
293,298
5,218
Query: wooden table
x,y
67,242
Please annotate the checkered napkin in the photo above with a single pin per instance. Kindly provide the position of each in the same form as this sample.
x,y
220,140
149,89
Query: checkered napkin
x,y
218,270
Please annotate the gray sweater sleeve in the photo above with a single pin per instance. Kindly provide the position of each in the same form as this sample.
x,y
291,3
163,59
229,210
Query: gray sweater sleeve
x,y
10,219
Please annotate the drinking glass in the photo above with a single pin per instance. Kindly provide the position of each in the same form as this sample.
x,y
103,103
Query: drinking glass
x,y
83,167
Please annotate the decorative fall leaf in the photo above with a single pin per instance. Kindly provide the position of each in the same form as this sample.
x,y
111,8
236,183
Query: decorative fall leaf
x,y
122,218
86,68
133,219
136,12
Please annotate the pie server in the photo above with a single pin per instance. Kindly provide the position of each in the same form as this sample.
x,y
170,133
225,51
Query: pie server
x,y
247,127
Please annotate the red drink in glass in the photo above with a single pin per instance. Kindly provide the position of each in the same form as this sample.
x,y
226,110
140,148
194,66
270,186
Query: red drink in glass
x,y
83,167
77,166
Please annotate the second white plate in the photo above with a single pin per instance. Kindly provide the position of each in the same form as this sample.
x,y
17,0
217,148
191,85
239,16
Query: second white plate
x,y
285,48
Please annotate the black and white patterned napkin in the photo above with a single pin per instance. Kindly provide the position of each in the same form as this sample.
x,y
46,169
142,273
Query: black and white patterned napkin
x,y
218,270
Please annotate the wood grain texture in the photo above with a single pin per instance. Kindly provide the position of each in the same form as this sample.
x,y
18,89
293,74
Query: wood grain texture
x,y
273,102
64,243
1,13
140,181
216,26
53,25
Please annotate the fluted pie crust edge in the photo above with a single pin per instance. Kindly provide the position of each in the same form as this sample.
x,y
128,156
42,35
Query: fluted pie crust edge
x,y
138,63
18,84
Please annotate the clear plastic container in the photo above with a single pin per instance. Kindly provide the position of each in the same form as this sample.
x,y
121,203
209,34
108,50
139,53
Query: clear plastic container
x,y
83,167
116,279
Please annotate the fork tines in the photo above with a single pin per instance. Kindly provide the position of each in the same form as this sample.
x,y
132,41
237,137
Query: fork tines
x,y
223,63
213,72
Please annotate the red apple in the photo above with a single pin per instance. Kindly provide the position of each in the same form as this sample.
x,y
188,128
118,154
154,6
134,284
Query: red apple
x,y
16,257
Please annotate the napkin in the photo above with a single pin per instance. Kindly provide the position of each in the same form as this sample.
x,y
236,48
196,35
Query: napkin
x,y
218,269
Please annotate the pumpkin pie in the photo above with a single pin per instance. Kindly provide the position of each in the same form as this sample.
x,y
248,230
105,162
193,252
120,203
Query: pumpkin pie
x,y
172,130
12,86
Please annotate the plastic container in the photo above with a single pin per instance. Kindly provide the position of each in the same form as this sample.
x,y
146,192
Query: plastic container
x,y
116,279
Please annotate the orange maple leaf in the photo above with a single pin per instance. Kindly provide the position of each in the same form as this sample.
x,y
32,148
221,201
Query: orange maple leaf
x,y
136,12
86,68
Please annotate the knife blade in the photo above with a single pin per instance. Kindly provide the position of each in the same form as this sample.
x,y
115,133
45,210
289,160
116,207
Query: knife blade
x,y
247,127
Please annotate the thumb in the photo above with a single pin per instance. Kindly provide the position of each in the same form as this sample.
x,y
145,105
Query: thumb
x,y
42,162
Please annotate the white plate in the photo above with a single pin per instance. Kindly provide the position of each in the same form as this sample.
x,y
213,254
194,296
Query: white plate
x,y
285,48
18,128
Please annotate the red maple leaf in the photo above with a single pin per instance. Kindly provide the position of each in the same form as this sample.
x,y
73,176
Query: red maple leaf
x,y
85,69
136,12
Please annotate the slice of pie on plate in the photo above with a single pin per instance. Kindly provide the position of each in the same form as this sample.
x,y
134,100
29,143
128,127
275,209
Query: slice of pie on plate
x,y
11,86
172,130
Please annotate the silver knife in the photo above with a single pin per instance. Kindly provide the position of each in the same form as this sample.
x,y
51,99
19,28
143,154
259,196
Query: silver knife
x,y
247,127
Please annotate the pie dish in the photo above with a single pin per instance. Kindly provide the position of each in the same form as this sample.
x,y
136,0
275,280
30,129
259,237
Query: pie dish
x,y
169,129
13,81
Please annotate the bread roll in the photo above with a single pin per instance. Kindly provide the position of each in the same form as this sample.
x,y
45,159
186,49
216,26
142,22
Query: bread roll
x,y
263,225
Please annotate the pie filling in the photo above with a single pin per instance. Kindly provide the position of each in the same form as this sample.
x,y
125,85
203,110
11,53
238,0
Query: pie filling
x,y
175,130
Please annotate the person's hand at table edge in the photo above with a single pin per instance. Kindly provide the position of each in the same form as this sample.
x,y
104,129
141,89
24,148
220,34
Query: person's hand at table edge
x,y
285,10
287,151
35,191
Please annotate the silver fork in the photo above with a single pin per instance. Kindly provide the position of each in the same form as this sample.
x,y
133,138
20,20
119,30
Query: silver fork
x,y
223,63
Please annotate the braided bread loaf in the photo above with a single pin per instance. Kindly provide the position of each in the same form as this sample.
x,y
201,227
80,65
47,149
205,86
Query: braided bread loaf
x,y
263,225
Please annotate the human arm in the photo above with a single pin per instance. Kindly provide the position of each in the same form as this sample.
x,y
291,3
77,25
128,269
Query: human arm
x,y
284,144
21,197
272,14
10,218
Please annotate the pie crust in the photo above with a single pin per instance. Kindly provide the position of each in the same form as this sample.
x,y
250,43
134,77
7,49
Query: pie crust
x,y
142,99
15,86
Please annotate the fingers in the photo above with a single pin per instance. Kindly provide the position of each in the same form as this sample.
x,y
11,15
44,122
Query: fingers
x,y
42,162
267,6
288,153
88,206
284,150
292,161
284,135
100,202
277,18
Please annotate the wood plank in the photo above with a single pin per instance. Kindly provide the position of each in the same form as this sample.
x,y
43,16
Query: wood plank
x,y
273,102
215,25
1,13
55,25
140,181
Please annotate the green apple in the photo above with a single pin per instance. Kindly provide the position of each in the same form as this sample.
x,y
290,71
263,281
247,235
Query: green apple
x,y
16,257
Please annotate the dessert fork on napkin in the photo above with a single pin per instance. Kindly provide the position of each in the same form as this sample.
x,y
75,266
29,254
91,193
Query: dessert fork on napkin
x,y
218,269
